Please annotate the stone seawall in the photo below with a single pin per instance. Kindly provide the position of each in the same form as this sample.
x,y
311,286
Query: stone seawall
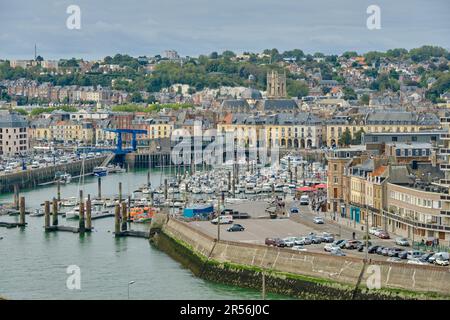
x,y
301,274
32,177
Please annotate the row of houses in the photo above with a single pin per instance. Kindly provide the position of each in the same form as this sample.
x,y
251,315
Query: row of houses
x,y
402,187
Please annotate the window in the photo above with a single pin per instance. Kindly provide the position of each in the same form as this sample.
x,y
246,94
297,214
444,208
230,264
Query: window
x,y
394,139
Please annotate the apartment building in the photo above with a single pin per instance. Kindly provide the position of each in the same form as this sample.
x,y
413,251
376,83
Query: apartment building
x,y
13,134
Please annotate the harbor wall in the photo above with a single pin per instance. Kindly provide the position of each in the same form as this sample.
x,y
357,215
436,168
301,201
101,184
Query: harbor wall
x,y
305,275
32,177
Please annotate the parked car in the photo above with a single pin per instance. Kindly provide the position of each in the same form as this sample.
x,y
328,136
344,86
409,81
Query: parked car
x,y
303,241
330,247
426,256
318,220
236,227
402,254
414,254
304,200
327,237
402,242
223,220
294,210
361,246
416,261
314,239
337,252
438,255
373,249
290,241
352,244
272,241
379,250
393,259
383,235
374,230
441,262
340,243
393,252
385,251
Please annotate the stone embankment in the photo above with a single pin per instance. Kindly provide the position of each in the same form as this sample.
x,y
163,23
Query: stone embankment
x,y
305,275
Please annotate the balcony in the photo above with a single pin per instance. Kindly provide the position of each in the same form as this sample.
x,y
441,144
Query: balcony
x,y
445,120
444,151
445,167
445,136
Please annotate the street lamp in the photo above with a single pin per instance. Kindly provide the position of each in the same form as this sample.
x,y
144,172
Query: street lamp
x,y
129,284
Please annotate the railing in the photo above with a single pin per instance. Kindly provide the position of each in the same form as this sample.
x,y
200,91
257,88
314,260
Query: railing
x,y
434,248
416,224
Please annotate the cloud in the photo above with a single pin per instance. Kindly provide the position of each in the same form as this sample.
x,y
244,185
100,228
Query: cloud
x,y
195,27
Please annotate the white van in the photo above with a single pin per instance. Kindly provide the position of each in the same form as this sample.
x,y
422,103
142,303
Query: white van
x,y
304,200
226,219
440,256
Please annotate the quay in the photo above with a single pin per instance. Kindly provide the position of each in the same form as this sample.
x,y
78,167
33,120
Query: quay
x,y
33,177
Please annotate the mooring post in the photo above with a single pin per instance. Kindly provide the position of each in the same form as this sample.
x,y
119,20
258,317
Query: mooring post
x,y
233,185
148,178
99,187
47,214
229,181
151,197
82,225
165,189
117,220
22,211
89,213
55,212
16,196
120,192
296,174
58,189
124,216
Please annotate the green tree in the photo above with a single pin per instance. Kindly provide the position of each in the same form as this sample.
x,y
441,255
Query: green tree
x,y
358,137
346,138
296,88
364,100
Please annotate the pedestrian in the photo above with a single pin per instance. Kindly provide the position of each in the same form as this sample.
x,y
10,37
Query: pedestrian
x,y
353,235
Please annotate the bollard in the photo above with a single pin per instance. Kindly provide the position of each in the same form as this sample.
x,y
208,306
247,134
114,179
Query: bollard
x,y
117,220
47,214
124,216
22,211
99,187
82,224
120,192
16,196
88,213
58,189
55,212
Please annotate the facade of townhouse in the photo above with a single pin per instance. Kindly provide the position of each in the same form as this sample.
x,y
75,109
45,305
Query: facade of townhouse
x,y
13,134
379,122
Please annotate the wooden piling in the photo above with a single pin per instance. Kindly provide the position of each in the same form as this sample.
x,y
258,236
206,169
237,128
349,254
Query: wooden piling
x,y
99,187
55,212
22,211
229,181
124,216
16,196
58,189
148,178
82,222
89,213
120,192
117,220
47,214
296,174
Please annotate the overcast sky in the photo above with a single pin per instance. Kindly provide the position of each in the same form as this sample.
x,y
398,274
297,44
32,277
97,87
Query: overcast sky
x,y
192,27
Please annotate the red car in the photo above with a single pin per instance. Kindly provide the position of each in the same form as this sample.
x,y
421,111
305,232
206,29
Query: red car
x,y
383,235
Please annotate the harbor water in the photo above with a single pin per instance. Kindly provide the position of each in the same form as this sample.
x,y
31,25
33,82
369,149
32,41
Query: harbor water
x,y
34,264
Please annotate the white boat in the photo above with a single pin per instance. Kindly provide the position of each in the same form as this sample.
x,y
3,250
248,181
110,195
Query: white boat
x,y
71,202
196,190
207,190
73,214
100,171
37,213
63,177
250,188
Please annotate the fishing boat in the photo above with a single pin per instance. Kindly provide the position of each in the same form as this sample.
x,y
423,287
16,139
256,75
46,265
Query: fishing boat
x,y
63,177
142,215
100,171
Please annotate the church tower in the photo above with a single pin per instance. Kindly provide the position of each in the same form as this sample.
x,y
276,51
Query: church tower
x,y
276,85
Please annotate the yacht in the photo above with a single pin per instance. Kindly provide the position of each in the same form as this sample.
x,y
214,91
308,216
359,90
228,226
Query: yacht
x,y
71,202
100,171
37,213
